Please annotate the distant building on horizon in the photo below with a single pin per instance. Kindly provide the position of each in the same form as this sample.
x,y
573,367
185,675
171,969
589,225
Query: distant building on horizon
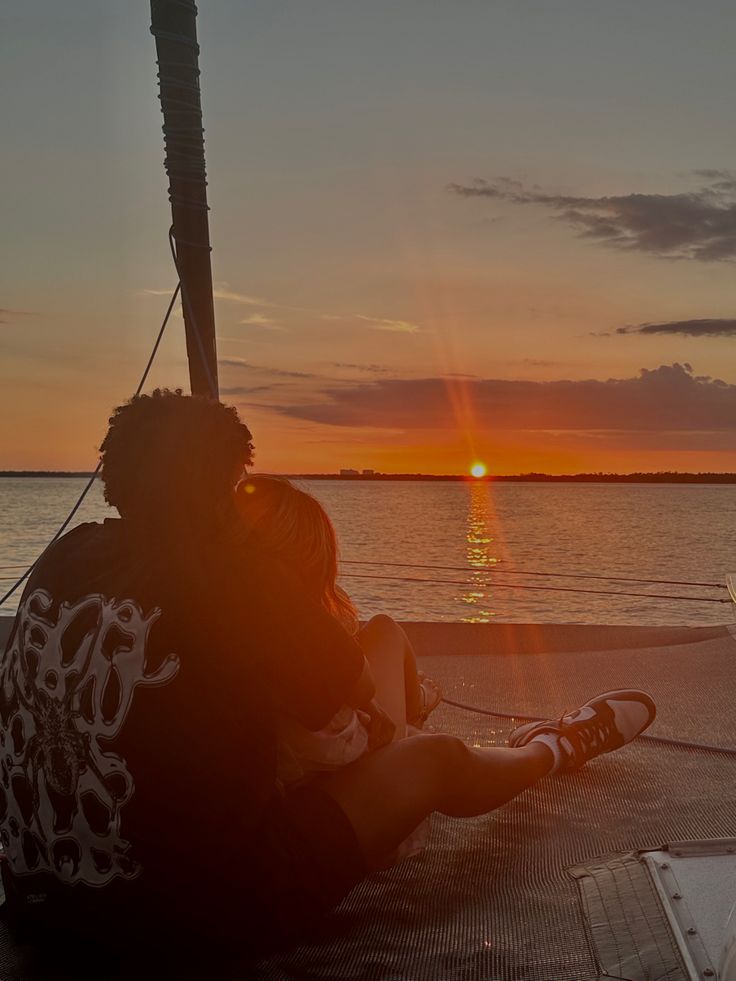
x,y
346,472
368,473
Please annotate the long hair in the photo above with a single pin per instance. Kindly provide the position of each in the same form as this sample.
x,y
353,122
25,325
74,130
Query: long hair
x,y
293,525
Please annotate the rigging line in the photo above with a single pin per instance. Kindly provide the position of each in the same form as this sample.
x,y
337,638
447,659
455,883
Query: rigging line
x,y
659,740
59,533
90,482
521,572
556,589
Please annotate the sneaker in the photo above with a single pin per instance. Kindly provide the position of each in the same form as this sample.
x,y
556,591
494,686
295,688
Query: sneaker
x,y
603,724
430,696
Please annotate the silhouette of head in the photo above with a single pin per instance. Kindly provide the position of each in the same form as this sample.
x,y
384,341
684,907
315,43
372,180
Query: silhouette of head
x,y
170,461
293,525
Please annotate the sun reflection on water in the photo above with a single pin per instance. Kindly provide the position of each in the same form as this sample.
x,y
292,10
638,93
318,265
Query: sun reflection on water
x,y
481,551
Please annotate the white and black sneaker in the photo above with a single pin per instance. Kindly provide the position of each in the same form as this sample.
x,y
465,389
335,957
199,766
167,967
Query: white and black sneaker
x,y
603,724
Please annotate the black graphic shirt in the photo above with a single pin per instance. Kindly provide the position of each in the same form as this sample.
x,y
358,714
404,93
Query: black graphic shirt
x,y
138,693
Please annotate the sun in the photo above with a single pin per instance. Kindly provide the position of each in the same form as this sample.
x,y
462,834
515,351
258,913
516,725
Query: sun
x,y
478,470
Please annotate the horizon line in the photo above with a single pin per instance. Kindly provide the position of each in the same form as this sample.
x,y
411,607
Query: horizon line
x,y
716,476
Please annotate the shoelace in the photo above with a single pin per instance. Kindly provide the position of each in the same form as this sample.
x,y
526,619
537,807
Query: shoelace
x,y
590,734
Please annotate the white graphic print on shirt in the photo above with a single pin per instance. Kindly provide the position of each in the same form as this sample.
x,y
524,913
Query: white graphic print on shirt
x,y
64,685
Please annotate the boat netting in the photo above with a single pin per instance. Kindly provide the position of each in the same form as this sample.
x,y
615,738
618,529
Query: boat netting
x,y
496,897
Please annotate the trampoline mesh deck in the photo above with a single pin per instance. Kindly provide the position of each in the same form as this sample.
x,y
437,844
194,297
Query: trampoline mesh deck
x,y
492,897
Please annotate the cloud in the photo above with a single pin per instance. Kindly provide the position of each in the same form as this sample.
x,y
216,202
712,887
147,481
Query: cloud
x,y
248,389
372,369
220,292
223,292
394,326
7,316
259,320
264,370
376,323
687,328
668,399
700,224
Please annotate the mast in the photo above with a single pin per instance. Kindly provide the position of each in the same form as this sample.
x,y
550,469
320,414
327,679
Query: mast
x,y
174,26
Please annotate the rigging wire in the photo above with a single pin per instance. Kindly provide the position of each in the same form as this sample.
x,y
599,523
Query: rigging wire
x,y
523,572
556,589
488,570
90,482
659,740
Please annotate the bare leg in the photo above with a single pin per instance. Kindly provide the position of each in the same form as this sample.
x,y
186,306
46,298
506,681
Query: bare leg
x,y
393,664
388,793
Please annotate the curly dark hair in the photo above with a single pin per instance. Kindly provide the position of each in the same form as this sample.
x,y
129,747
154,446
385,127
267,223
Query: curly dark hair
x,y
169,459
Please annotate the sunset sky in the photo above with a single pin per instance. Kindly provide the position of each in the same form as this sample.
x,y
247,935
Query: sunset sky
x,y
443,231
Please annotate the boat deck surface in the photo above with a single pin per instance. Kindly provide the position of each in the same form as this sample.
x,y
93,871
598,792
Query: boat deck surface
x,y
493,897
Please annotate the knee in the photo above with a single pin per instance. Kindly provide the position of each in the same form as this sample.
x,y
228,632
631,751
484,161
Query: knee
x,y
383,625
449,754
382,635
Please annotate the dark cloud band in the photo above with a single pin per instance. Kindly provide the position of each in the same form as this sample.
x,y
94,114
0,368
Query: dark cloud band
x,y
667,399
686,328
697,225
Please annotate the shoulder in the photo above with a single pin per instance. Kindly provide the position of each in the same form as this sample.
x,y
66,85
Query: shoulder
x,y
88,535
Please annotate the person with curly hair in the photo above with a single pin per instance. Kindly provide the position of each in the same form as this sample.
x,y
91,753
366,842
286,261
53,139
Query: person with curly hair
x,y
151,659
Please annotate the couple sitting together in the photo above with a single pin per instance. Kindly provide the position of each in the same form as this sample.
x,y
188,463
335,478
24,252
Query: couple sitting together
x,y
190,707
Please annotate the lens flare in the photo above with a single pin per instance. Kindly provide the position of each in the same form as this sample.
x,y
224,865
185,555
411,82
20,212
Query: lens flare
x,y
478,470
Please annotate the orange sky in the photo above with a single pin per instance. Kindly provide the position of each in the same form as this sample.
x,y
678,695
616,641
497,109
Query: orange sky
x,y
515,252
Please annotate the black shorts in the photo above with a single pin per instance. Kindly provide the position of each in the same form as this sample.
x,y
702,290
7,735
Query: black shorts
x,y
297,866
315,858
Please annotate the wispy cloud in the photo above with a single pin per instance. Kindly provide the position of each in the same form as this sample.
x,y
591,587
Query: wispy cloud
x,y
371,369
222,291
699,224
239,390
722,327
668,399
152,292
392,326
7,316
242,364
260,320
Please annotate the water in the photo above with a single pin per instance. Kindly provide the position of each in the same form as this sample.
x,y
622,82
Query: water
x,y
669,531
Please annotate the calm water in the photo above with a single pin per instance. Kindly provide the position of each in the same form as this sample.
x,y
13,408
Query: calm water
x,y
486,530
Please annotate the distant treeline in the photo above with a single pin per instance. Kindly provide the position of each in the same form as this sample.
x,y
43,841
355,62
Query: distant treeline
x,y
663,477
45,473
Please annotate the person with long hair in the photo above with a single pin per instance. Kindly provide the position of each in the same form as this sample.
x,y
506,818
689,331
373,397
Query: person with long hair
x,y
291,525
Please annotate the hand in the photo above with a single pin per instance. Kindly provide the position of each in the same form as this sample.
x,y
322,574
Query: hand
x,y
381,727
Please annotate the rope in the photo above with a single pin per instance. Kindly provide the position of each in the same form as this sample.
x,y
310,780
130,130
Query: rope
x,y
556,589
659,740
524,572
90,482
